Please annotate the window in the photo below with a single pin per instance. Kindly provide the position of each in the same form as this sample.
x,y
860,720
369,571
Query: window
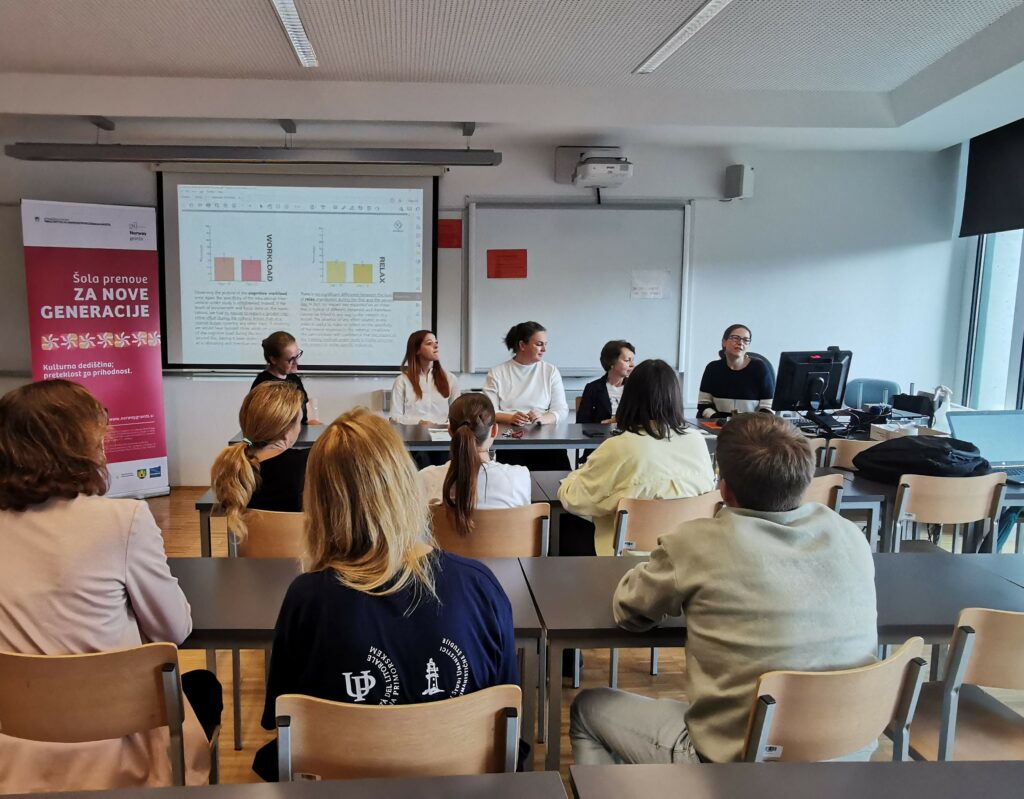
x,y
994,378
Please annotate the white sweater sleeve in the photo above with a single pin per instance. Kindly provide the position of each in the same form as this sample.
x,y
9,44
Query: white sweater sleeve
x,y
161,610
402,397
493,390
558,406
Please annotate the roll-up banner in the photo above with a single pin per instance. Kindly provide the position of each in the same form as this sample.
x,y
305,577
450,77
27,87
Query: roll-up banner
x,y
94,318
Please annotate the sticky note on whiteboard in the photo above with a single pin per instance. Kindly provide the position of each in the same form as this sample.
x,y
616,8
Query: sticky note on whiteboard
x,y
505,264
649,284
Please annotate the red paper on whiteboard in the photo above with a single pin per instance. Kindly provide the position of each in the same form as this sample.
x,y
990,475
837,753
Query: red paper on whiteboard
x,y
506,263
449,234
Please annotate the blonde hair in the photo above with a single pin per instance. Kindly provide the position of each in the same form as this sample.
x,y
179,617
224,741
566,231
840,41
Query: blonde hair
x,y
267,414
365,517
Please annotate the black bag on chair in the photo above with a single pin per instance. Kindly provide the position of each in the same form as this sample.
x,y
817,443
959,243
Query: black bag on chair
x,y
935,456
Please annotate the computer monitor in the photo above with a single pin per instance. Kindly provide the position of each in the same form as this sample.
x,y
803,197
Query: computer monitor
x,y
812,382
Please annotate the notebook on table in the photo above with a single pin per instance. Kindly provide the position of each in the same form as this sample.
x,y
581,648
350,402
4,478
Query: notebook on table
x,y
998,435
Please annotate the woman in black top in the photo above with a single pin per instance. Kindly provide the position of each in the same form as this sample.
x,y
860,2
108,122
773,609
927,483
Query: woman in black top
x,y
263,471
601,397
737,382
282,353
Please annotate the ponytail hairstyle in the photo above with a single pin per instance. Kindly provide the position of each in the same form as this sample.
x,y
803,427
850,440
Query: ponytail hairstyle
x,y
411,366
471,418
268,413
521,334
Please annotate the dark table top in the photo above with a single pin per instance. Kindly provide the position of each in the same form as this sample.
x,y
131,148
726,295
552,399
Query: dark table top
x,y
546,436
799,780
1009,567
239,598
917,594
528,785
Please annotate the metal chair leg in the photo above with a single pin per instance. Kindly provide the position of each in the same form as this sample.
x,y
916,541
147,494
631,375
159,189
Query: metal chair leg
x,y
654,661
613,668
577,666
236,693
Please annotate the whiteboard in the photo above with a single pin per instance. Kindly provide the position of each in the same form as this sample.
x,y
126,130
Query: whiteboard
x,y
593,273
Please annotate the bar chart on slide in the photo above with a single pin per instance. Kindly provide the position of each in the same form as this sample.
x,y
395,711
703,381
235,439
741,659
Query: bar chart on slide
x,y
228,268
360,273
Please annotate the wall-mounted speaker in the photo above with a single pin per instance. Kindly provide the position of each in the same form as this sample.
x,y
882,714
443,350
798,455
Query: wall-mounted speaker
x,y
739,182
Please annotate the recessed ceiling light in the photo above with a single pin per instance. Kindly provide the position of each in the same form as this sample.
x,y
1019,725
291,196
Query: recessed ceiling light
x,y
293,28
681,35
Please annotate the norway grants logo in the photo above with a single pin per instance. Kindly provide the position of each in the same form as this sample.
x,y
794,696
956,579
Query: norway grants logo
x,y
358,687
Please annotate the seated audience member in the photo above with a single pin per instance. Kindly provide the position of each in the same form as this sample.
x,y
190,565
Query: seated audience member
x,y
527,390
736,382
767,584
377,598
282,354
423,390
653,457
81,573
601,397
471,479
263,471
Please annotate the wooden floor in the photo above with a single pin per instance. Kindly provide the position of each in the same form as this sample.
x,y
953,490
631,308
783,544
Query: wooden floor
x,y
179,520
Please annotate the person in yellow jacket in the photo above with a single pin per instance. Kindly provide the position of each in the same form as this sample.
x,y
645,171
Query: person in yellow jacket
x,y
651,456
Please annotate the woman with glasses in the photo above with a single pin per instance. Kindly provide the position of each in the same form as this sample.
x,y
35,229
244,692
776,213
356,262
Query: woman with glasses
x,y
737,382
282,353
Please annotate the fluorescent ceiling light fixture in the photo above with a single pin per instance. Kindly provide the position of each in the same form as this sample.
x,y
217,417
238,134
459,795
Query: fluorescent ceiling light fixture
x,y
293,28
681,35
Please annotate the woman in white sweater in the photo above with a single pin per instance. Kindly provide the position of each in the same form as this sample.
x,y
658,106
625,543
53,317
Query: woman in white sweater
x,y
526,390
471,479
652,457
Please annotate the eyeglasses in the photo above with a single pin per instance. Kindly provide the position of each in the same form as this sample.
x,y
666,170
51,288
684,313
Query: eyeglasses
x,y
738,340
295,358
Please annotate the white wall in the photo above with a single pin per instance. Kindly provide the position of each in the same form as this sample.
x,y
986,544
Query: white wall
x,y
854,249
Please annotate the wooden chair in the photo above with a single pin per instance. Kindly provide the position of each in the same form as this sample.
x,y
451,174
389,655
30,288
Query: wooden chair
x,y
639,523
826,489
956,719
842,451
473,734
497,533
922,499
809,716
95,697
270,534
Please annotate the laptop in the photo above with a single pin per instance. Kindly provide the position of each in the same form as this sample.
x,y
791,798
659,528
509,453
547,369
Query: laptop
x,y
998,435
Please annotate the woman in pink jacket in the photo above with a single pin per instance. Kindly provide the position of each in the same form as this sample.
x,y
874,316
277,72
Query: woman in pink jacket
x,y
82,573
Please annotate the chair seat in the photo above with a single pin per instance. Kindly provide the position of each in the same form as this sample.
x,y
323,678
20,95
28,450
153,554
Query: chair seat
x,y
986,729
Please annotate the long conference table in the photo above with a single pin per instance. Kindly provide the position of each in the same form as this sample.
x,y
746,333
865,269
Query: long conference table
x,y
566,603
798,780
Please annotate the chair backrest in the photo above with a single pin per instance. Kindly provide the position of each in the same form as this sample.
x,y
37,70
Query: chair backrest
x,y
864,390
639,522
810,716
272,534
473,734
996,657
826,489
579,401
949,500
842,451
497,533
94,697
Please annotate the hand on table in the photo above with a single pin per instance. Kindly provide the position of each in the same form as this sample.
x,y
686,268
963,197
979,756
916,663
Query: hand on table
x,y
522,418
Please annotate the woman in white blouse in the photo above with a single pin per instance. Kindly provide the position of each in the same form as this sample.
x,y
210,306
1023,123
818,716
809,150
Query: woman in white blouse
x,y
424,390
526,390
471,479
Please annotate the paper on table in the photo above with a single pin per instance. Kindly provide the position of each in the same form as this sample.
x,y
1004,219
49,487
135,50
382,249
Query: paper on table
x,y
649,284
439,435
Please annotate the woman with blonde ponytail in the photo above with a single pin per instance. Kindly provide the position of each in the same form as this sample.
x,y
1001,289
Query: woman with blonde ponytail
x,y
381,617
471,479
263,471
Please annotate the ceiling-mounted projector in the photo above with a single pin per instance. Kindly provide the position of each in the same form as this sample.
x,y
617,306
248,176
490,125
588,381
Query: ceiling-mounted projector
x,y
592,167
